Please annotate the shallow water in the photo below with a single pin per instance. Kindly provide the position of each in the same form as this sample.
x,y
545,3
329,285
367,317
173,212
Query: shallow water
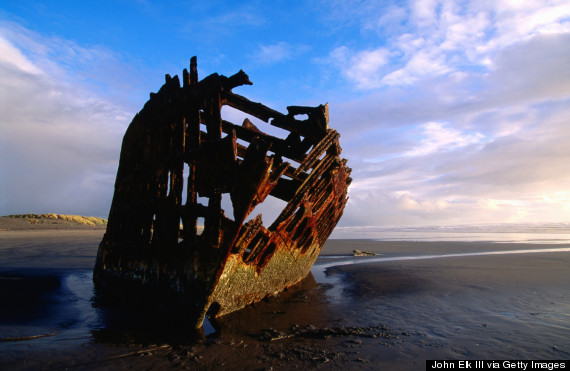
x,y
488,304
72,312
454,302
343,260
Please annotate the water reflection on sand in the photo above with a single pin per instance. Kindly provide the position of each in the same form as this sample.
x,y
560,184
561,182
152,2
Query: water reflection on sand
x,y
469,300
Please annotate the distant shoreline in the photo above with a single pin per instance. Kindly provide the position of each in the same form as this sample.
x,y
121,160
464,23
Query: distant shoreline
x,y
50,221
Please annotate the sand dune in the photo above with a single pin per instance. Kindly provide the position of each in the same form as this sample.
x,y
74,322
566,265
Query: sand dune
x,y
50,221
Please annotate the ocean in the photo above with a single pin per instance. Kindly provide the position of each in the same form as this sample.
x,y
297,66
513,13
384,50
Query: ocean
x,y
540,233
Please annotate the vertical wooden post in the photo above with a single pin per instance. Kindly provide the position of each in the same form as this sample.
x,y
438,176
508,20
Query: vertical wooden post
x,y
192,142
214,126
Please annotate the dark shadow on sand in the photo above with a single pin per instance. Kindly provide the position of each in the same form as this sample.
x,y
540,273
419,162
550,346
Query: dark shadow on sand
x,y
375,282
36,302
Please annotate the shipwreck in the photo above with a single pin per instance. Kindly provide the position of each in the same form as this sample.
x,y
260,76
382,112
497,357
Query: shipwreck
x,y
168,238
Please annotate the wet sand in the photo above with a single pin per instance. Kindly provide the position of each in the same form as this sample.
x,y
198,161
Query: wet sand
x,y
393,313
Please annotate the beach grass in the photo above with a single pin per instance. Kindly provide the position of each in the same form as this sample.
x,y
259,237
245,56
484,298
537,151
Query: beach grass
x,y
23,221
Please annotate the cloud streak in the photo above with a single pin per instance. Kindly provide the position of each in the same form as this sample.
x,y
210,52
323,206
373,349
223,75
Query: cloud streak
x,y
279,52
470,124
59,141
444,37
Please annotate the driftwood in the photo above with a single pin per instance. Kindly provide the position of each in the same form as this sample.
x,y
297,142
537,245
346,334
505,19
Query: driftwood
x,y
168,237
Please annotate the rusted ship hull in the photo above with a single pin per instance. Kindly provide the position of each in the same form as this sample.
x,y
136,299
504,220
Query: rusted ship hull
x,y
178,159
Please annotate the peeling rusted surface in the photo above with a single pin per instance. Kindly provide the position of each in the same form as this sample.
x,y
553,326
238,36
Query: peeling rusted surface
x,y
155,244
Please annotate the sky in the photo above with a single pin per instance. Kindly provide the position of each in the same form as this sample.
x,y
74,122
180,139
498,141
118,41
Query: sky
x,y
450,112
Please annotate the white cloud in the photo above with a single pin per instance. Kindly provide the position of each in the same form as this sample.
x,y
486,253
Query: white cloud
x,y
59,141
445,38
520,20
407,202
12,58
496,151
364,68
390,19
438,138
420,65
534,69
424,12
459,177
279,52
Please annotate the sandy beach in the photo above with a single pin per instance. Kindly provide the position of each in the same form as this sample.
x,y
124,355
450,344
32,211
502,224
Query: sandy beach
x,y
414,301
